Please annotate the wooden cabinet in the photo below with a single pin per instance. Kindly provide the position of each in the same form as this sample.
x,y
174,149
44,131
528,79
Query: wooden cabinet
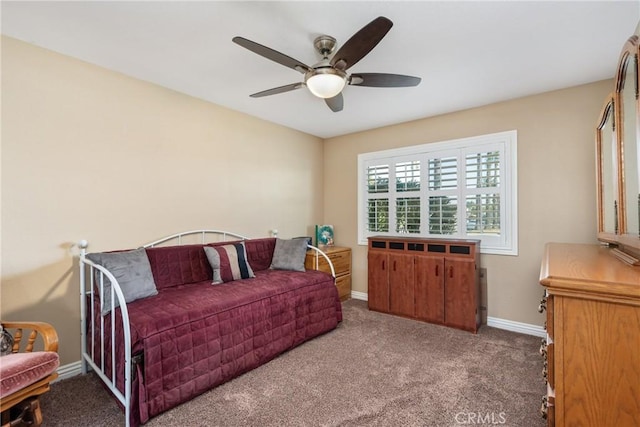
x,y
341,259
435,280
592,348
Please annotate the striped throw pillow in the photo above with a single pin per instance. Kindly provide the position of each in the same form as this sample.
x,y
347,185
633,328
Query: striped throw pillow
x,y
228,262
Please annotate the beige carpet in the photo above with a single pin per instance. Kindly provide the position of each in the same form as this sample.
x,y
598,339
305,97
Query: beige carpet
x,y
373,370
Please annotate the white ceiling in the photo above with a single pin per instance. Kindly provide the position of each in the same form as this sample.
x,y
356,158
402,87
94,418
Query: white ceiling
x,y
467,53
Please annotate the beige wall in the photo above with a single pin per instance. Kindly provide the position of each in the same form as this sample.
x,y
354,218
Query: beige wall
x,y
556,183
92,154
89,153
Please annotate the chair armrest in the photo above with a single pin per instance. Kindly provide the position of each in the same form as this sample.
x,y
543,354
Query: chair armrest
x,y
46,331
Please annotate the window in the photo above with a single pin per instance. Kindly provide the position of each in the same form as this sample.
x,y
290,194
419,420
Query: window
x,y
464,188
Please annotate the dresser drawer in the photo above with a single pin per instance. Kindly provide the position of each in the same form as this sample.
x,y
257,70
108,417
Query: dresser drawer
x,y
550,366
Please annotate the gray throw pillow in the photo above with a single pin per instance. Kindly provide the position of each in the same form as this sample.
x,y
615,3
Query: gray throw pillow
x,y
132,271
289,254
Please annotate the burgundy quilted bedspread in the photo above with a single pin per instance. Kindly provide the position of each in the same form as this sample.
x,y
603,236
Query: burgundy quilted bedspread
x,y
195,336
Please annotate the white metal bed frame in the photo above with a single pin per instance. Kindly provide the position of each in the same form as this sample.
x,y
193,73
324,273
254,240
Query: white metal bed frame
x,y
98,273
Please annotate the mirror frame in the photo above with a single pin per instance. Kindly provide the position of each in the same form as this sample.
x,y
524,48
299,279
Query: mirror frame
x,y
607,113
627,241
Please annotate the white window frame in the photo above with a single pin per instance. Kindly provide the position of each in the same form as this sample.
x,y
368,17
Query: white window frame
x,y
504,142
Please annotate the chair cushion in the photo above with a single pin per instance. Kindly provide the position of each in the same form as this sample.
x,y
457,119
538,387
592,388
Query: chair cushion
x,y
19,370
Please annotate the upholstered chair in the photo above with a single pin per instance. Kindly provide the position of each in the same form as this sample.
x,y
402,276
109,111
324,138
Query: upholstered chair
x,y
26,374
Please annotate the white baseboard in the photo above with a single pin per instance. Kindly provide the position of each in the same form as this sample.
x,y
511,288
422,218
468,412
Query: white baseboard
x,y
69,370
360,295
509,325
523,328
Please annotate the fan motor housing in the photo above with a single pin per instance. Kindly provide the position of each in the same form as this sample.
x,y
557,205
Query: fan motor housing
x,y
325,45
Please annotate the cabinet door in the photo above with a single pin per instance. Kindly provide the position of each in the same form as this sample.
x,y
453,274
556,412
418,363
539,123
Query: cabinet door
x,y
401,296
378,272
429,289
460,306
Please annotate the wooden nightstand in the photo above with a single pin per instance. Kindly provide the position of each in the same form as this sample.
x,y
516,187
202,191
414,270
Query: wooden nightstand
x,y
341,259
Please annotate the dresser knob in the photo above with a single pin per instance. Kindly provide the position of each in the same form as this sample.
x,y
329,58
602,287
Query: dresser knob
x,y
543,305
545,407
543,348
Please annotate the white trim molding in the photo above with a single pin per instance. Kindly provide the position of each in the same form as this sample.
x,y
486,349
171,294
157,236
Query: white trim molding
x,y
69,370
523,328
362,296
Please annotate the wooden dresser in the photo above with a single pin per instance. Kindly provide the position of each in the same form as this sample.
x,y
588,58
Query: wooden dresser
x,y
435,280
341,259
592,348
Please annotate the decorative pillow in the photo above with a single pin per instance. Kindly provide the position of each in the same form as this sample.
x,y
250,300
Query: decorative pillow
x,y
289,254
132,271
228,262
6,342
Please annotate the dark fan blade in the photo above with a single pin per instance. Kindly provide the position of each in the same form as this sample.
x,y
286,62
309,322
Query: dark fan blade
x,y
271,54
336,103
361,43
383,80
275,90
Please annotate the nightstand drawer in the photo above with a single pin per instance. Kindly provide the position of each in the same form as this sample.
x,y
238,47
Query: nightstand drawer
x,y
343,283
341,262
340,258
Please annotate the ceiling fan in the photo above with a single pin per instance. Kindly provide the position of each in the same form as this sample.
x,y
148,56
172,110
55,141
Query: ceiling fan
x,y
327,78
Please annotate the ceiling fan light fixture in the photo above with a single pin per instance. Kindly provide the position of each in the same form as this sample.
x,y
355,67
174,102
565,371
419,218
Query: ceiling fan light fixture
x,y
325,82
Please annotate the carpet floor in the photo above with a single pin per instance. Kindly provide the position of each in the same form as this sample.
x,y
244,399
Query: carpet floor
x,y
373,370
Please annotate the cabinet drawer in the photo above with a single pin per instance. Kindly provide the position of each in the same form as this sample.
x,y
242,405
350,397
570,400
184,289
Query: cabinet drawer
x,y
343,284
341,261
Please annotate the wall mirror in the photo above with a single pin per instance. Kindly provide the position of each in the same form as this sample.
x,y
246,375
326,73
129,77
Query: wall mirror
x,y
628,96
607,171
618,152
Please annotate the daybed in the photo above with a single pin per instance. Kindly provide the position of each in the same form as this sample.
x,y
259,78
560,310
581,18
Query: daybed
x,y
195,327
